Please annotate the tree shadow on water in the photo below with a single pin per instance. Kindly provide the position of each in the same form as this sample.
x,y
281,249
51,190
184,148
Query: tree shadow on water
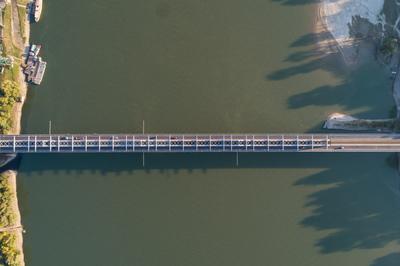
x,y
355,91
359,208
296,2
315,59
391,259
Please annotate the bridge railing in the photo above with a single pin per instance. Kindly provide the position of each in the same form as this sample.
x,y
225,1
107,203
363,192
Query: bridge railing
x,y
162,143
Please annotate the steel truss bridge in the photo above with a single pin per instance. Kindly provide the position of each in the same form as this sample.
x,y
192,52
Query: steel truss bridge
x,y
190,143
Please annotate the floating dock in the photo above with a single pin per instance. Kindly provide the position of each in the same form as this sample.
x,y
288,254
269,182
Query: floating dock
x,y
35,67
37,76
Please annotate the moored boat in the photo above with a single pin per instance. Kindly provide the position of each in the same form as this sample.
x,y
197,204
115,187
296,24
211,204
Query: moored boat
x,y
34,66
37,6
39,72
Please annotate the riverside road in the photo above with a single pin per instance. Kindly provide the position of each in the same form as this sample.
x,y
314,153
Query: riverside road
x,y
170,143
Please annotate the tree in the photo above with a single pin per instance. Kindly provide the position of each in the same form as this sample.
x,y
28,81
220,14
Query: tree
x,y
389,45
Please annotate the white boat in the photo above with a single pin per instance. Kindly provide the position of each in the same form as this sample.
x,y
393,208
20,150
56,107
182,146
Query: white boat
x,y
37,9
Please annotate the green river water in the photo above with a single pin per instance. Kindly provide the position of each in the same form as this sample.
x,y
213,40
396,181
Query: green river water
x,y
202,66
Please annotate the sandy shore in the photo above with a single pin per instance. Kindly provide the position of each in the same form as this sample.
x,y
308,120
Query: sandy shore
x,y
338,20
339,14
325,40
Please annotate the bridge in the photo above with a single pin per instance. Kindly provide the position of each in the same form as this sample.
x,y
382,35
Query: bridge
x,y
190,143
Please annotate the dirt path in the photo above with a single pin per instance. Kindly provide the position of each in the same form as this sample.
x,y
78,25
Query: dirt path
x,y
11,228
15,25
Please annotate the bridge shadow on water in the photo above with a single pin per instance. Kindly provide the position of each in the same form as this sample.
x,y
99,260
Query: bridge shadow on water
x,y
120,162
358,202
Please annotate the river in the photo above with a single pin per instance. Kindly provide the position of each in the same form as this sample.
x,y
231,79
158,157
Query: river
x,y
202,66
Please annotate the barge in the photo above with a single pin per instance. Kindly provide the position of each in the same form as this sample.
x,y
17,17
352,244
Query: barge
x,y
35,67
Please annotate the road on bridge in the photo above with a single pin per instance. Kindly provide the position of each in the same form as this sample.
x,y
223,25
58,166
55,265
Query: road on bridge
x,y
169,143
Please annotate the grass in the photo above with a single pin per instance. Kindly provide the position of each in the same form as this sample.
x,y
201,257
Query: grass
x,y
22,18
8,45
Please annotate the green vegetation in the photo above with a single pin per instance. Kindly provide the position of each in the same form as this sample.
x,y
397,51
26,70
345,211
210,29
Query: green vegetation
x,y
9,95
9,90
382,124
389,45
9,254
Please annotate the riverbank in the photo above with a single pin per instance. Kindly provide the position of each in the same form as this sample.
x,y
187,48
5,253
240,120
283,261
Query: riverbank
x,y
16,33
382,17
11,248
360,28
339,121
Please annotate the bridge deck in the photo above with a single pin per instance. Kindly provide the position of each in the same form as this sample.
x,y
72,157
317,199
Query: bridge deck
x,y
94,143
